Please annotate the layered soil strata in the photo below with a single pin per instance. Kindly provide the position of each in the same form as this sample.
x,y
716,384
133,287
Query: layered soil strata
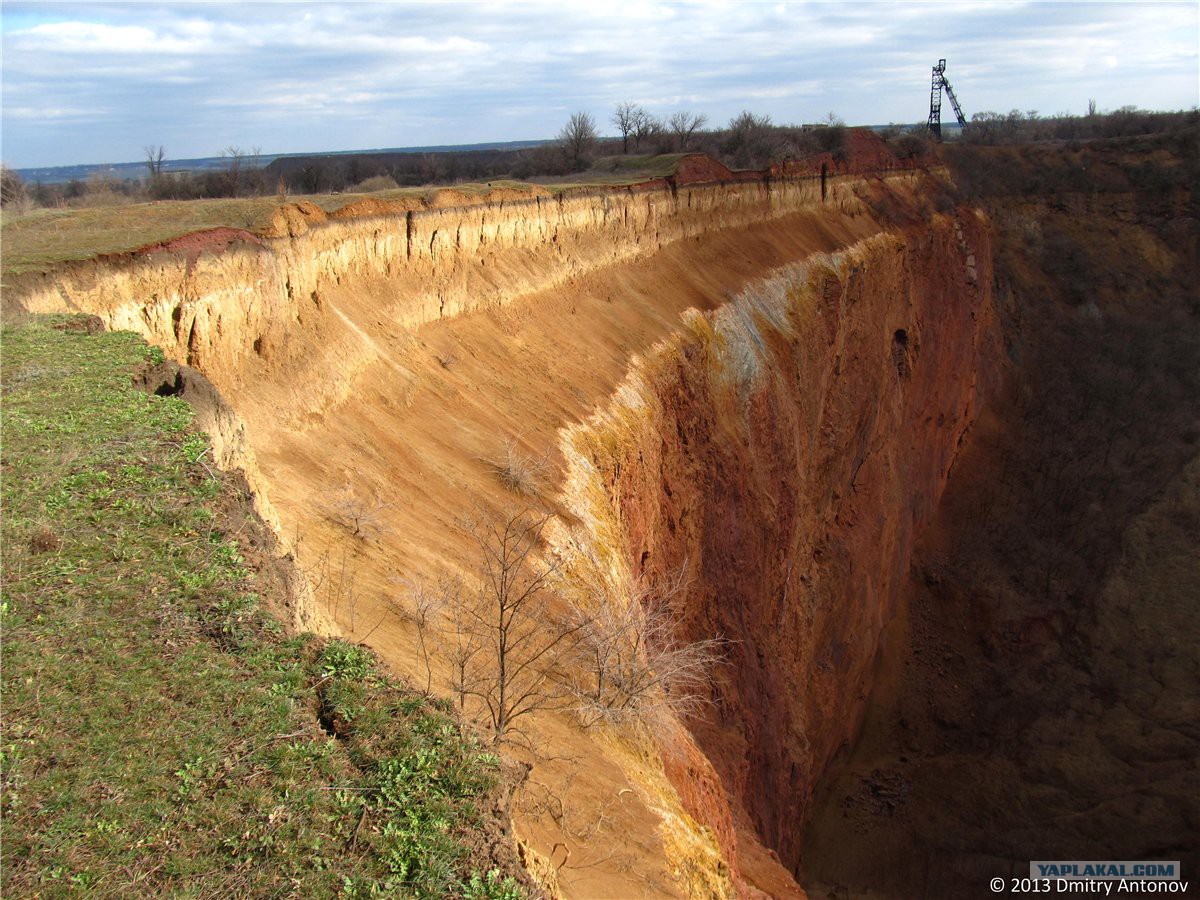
x,y
763,385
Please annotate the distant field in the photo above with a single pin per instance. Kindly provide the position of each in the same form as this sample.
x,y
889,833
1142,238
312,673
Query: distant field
x,y
133,171
43,238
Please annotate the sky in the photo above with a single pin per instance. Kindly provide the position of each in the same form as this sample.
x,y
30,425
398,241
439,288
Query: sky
x,y
97,82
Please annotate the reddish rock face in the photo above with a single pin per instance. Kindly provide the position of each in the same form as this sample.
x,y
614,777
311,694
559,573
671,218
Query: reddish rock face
x,y
790,487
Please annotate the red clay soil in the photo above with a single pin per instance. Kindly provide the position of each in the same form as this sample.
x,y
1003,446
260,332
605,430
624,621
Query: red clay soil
x,y
862,151
696,168
214,240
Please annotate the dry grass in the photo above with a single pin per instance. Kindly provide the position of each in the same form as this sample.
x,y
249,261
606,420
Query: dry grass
x,y
39,239
45,237
614,171
645,165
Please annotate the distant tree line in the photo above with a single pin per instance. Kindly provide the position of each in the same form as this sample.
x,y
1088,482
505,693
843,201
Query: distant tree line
x,y
1017,127
747,141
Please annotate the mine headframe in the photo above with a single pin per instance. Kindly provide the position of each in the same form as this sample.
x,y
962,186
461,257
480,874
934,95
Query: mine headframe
x,y
940,83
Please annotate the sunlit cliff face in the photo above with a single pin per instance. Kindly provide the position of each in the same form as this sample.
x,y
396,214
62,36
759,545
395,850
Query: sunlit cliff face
x,y
783,452
751,386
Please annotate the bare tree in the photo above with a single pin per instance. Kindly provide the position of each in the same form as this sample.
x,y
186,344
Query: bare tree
x,y
233,168
644,126
632,663
242,171
577,139
509,642
154,159
683,125
625,117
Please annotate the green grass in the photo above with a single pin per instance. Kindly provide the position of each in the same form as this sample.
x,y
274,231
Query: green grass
x,y
162,735
646,165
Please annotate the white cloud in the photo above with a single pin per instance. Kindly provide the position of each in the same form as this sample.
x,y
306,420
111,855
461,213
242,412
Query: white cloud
x,y
105,40
50,113
104,79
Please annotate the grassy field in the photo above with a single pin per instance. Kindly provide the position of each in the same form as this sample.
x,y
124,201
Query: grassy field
x,y
643,166
43,238
162,734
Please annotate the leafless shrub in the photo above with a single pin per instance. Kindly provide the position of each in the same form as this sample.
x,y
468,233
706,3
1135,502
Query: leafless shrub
x,y
509,651
376,183
519,471
632,663
464,644
361,516
334,583
14,196
581,823
424,605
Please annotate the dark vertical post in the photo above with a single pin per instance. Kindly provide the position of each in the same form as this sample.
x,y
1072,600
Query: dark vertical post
x,y
935,101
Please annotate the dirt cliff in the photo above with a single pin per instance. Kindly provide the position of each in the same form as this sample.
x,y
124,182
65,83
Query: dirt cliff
x,y
783,452
762,384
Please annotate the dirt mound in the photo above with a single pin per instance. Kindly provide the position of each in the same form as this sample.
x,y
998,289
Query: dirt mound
x,y
213,240
862,150
697,168
448,197
377,206
293,219
528,192
442,198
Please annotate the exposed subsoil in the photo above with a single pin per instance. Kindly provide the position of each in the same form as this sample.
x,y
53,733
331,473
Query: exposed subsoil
x,y
210,240
1034,694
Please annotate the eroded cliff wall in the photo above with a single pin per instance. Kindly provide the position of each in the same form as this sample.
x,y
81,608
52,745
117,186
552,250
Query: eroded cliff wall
x,y
303,307
783,452
781,441
1043,688
216,310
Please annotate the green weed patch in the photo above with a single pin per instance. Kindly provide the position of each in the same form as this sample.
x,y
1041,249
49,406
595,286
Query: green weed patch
x,y
162,735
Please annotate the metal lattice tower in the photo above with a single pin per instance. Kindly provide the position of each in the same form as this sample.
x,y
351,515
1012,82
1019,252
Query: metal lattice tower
x,y
935,101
